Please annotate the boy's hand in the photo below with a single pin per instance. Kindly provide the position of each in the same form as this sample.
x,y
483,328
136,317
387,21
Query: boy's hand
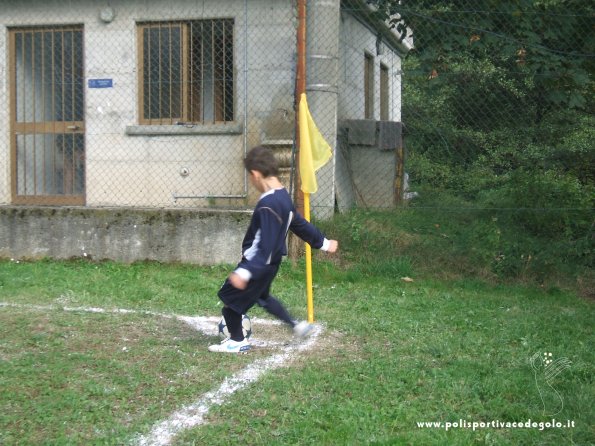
x,y
333,246
237,281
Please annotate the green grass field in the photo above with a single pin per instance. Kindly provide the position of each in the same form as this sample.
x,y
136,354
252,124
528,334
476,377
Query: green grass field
x,y
443,348
394,353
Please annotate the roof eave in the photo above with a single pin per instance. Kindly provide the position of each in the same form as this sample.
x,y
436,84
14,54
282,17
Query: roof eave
x,y
364,12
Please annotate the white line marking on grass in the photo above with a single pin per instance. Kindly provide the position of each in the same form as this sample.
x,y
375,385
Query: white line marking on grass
x,y
204,324
194,414
82,309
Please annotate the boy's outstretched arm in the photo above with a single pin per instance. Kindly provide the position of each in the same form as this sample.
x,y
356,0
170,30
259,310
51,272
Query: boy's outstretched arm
x,y
312,235
241,283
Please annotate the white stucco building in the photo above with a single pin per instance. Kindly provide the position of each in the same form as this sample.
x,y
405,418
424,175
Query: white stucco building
x,y
142,103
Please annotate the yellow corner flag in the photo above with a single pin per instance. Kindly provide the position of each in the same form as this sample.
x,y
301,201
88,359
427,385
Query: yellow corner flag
x,y
314,150
314,153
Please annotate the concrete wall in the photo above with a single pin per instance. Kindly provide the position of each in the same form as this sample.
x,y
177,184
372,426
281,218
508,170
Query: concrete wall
x,y
4,120
357,40
322,90
364,175
124,235
337,43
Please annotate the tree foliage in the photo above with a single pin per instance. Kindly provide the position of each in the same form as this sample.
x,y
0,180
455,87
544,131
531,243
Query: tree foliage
x,y
552,41
505,82
498,106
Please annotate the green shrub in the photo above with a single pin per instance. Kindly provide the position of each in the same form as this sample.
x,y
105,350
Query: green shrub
x,y
551,204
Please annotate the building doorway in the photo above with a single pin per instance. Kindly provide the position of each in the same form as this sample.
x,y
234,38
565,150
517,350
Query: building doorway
x,y
47,115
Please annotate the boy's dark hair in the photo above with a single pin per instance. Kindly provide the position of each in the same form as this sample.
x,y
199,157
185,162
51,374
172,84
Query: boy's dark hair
x,y
262,160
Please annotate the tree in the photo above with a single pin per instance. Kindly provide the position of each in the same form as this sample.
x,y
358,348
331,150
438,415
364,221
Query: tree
x,y
488,78
498,106
551,40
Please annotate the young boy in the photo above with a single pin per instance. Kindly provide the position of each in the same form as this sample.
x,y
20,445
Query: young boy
x,y
262,250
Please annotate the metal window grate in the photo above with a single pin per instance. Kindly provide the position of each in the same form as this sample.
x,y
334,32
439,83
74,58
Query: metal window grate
x,y
187,72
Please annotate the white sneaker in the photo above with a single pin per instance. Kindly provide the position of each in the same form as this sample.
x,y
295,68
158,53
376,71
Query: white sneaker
x,y
230,346
303,329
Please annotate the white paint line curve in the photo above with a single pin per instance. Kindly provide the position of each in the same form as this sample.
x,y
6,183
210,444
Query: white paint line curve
x,y
193,415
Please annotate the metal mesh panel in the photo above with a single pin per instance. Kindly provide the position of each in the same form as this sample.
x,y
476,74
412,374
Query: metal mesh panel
x,y
153,104
144,104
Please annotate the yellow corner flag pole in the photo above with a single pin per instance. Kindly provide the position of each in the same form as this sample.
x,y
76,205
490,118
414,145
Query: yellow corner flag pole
x,y
309,292
314,153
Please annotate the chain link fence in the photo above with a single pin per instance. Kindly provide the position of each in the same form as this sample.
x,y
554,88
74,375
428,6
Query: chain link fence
x,y
146,104
153,104
143,104
497,102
